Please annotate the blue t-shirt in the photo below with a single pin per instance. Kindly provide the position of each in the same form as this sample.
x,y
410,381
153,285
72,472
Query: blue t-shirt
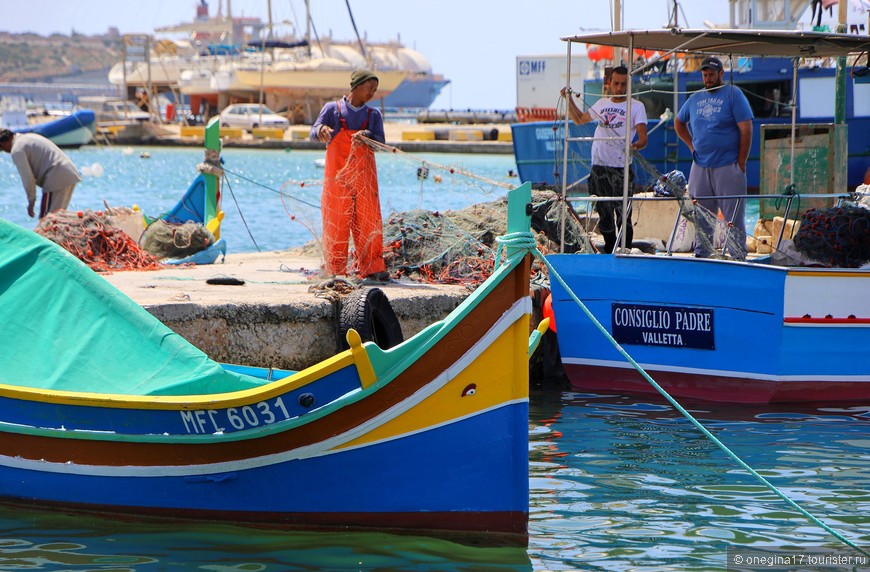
x,y
712,118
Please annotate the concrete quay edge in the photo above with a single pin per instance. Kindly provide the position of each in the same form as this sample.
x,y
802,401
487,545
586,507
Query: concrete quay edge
x,y
273,320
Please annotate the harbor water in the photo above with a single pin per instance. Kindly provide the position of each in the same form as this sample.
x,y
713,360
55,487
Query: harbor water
x,y
616,482
271,198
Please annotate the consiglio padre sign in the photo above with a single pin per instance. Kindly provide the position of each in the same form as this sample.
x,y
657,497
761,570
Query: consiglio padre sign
x,y
669,326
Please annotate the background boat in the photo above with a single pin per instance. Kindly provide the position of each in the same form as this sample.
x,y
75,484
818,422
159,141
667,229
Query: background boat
x,y
224,59
74,129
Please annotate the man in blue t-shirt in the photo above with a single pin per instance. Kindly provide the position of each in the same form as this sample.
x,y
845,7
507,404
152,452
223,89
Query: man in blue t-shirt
x,y
716,124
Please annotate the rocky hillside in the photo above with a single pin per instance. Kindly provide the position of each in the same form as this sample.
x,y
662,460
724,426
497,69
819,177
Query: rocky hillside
x,y
29,57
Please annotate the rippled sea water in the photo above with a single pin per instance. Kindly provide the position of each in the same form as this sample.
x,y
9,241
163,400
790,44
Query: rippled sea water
x,y
271,198
617,482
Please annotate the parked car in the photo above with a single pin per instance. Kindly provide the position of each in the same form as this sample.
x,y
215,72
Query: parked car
x,y
251,115
113,110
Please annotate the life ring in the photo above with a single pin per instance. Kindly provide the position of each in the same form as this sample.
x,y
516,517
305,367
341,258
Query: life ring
x,y
368,311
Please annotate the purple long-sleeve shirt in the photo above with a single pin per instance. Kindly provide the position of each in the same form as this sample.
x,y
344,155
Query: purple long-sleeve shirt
x,y
354,117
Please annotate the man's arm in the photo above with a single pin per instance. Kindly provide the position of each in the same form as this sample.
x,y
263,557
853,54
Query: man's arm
x,y
641,137
577,116
745,128
27,179
684,134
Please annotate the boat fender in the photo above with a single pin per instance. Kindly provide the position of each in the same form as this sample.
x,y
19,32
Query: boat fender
x,y
368,311
547,312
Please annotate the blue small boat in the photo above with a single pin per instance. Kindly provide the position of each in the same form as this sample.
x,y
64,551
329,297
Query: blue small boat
x,y
73,130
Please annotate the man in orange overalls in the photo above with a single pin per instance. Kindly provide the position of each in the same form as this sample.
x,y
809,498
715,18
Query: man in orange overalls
x,y
350,203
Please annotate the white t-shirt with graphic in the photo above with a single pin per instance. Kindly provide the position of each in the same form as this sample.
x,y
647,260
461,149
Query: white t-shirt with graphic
x,y
611,123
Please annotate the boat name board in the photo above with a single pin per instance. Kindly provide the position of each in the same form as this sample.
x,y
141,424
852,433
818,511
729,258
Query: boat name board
x,y
203,421
671,326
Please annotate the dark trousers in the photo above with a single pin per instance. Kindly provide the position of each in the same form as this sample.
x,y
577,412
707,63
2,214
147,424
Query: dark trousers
x,y
607,182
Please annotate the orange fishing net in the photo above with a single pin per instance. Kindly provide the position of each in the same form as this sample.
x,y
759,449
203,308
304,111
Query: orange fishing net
x,y
91,237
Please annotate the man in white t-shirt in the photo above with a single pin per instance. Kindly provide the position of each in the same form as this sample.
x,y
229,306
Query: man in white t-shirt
x,y
608,152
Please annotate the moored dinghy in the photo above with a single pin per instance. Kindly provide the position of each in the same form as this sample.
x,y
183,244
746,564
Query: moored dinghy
x,y
104,409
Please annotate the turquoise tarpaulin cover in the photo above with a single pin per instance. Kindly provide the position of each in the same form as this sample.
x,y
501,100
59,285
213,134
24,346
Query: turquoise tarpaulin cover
x,y
64,327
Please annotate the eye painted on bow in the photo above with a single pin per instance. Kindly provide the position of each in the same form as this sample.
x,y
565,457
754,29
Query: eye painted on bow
x,y
470,389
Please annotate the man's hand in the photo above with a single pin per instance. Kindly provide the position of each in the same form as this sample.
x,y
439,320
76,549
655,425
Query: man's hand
x,y
30,211
324,133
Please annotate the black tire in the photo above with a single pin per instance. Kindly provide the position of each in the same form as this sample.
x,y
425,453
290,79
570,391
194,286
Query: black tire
x,y
368,311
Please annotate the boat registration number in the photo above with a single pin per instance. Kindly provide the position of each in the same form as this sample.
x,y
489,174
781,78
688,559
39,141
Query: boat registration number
x,y
204,421
669,326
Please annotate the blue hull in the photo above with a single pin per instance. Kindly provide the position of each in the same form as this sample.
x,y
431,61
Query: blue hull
x,y
416,92
471,480
715,330
74,130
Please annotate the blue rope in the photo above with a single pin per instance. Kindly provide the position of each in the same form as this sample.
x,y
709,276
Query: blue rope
x,y
526,240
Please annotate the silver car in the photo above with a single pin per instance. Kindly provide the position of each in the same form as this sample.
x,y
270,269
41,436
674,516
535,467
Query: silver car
x,y
252,115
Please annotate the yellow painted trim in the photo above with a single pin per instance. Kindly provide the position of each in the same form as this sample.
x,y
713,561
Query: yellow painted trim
x,y
182,402
505,136
267,133
418,135
364,366
828,274
214,225
497,380
192,131
232,132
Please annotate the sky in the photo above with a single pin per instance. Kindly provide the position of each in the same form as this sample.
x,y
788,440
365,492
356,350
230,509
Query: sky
x,y
474,43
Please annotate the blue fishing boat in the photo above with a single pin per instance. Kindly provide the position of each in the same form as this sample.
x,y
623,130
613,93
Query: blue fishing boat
x,y
73,130
106,410
778,328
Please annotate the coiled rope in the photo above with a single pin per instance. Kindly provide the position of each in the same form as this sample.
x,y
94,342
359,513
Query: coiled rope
x,y
526,240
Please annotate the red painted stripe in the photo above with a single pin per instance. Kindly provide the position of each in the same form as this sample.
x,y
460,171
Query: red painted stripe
x,y
491,528
811,320
706,387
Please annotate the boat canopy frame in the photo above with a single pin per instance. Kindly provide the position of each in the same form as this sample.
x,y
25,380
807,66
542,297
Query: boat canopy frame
x,y
761,43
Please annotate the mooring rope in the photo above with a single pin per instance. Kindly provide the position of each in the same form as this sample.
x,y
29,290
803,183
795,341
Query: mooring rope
x,y
526,240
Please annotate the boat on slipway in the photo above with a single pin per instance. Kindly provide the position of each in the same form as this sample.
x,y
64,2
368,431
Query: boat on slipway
x,y
121,415
69,131
768,81
789,327
225,57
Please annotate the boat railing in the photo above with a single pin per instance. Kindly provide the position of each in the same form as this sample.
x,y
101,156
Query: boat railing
x,y
789,200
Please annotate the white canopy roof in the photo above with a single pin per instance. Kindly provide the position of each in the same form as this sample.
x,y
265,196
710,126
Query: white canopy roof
x,y
783,43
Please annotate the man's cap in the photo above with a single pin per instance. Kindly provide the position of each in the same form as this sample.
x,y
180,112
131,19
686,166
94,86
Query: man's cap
x,y
712,63
5,135
361,76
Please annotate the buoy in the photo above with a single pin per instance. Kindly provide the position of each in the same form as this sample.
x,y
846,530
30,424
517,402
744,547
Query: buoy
x,y
547,312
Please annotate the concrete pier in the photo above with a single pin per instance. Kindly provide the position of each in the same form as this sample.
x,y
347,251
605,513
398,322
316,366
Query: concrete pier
x,y
409,138
272,320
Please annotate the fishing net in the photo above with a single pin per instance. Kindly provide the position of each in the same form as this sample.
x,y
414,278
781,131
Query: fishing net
x,y
453,246
164,239
836,237
93,238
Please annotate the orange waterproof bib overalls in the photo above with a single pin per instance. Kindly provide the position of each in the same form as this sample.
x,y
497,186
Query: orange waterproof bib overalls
x,y
350,204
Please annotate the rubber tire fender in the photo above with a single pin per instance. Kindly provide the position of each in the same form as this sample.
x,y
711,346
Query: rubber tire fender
x,y
368,311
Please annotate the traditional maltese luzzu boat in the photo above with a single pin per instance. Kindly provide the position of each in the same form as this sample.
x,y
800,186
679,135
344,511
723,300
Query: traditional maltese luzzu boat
x,y
103,409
